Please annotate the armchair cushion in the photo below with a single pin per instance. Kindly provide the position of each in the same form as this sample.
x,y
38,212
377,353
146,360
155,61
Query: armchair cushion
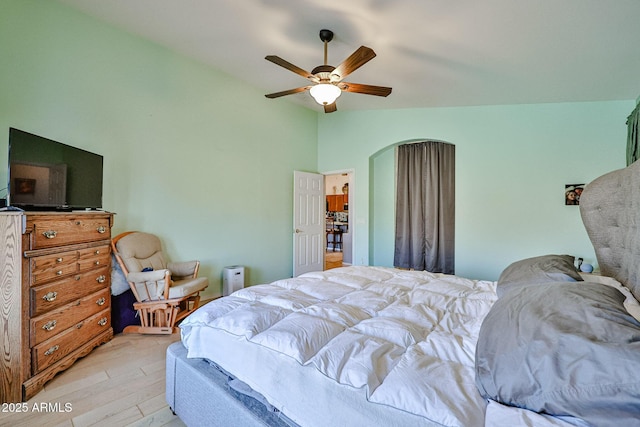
x,y
149,285
182,269
186,287
141,250
147,276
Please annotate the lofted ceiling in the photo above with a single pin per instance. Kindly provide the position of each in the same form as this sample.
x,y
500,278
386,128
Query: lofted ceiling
x,y
433,53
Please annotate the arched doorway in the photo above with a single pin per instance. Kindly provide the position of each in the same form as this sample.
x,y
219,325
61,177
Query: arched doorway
x,y
382,197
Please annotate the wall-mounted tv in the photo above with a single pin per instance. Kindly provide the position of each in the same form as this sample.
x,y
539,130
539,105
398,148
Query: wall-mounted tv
x,y
49,175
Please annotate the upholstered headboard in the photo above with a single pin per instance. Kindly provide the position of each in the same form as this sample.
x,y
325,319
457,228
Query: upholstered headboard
x,y
610,209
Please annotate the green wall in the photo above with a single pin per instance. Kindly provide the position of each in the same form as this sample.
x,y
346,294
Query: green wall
x,y
191,154
512,163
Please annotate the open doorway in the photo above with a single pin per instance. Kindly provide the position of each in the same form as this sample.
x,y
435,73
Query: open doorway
x,y
339,230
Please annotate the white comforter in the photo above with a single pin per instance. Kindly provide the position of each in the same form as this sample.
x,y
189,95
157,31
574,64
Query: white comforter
x,y
408,338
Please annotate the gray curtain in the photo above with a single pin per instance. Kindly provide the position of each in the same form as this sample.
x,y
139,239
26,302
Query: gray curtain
x,y
425,207
633,150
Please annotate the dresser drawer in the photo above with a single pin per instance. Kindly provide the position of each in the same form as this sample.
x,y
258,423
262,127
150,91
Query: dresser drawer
x,y
56,294
55,321
47,267
55,348
66,231
91,258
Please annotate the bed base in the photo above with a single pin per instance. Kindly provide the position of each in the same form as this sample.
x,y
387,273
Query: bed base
x,y
200,394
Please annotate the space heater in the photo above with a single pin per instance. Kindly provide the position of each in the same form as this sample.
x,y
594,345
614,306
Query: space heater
x,y
232,279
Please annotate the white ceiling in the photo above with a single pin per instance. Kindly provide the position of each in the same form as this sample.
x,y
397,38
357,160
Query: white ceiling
x,y
433,53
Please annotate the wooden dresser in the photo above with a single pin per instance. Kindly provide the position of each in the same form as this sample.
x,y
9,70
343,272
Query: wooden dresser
x,y
55,276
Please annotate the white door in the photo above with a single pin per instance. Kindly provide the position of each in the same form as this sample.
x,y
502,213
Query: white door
x,y
308,222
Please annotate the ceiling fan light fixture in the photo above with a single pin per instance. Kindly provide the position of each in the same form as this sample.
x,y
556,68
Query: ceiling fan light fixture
x,y
326,80
325,93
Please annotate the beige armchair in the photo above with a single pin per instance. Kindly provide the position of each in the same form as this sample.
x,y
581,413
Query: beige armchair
x,y
166,292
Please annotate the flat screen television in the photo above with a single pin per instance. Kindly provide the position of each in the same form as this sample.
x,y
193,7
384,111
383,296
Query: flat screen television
x,y
49,175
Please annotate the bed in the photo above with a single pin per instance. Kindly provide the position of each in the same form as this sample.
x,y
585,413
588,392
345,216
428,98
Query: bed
x,y
544,345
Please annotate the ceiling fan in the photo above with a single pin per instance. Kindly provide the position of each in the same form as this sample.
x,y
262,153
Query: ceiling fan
x,y
327,81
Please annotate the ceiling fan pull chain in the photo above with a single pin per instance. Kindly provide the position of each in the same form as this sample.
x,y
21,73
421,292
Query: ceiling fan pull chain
x,y
326,43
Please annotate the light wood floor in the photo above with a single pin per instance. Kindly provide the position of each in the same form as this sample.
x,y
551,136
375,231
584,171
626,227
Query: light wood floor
x,y
332,260
121,383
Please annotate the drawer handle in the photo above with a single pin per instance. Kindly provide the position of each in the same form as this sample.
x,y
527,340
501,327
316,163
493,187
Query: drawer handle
x,y
101,301
49,325
79,325
52,350
97,252
102,229
58,259
50,234
97,263
102,321
101,278
59,273
50,296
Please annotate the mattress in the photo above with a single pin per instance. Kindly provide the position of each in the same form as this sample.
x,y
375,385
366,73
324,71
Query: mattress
x,y
372,345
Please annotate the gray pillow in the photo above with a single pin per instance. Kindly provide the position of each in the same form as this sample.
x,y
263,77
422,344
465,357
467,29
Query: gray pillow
x,y
563,349
536,270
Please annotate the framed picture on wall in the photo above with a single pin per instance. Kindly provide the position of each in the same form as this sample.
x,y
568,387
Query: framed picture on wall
x,y
572,193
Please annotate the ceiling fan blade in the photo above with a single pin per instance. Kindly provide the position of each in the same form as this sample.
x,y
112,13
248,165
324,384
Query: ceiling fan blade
x,y
289,66
287,92
361,56
330,108
365,89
